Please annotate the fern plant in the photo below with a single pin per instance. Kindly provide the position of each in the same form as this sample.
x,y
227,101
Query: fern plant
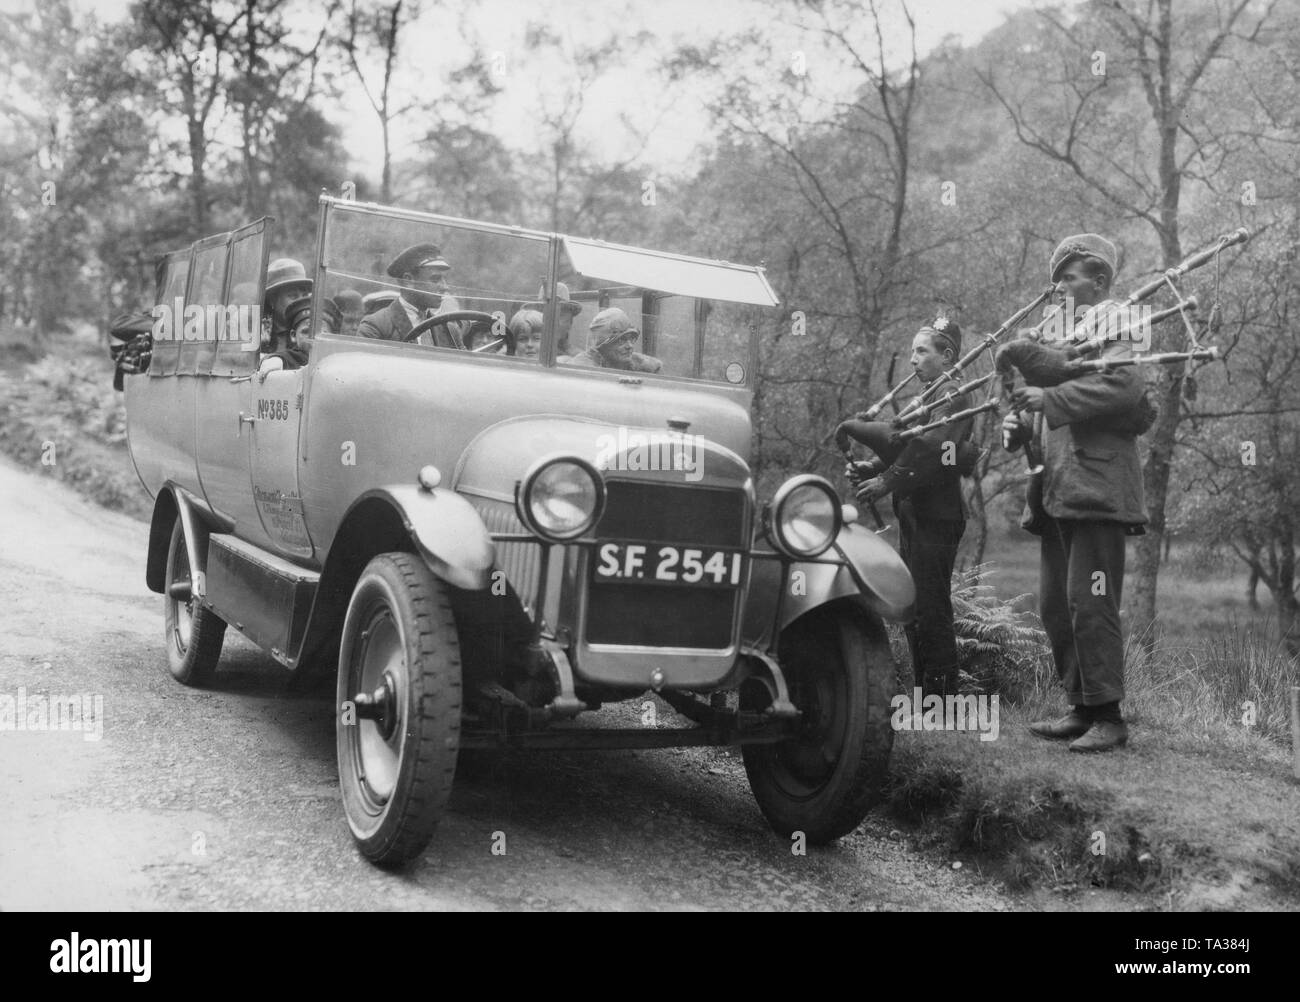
x,y
1000,649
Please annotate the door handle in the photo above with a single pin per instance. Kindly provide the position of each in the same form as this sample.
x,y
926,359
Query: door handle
x,y
244,418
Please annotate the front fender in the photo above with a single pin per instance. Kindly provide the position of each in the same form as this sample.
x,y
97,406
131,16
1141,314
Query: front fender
x,y
446,530
871,569
879,573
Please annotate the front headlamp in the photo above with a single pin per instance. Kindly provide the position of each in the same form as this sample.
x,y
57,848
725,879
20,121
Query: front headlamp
x,y
560,498
804,517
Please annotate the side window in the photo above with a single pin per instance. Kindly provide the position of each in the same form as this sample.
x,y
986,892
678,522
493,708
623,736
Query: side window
x,y
727,342
207,277
169,312
207,316
236,352
674,334
204,311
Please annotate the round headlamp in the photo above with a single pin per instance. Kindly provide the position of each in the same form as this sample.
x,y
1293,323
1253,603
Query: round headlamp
x,y
804,517
560,497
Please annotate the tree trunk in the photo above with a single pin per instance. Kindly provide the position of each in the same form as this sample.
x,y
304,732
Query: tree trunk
x,y
198,177
199,193
386,179
978,521
248,126
1155,474
978,508
1155,486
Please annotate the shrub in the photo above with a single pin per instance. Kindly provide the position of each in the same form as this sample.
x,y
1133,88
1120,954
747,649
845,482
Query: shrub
x,y
1001,649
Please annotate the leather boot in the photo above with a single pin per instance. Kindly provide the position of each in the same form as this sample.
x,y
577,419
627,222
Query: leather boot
x,y
1102,736
1073,725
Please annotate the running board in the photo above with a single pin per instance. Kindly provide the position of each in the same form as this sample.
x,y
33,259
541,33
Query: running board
x,y
264,597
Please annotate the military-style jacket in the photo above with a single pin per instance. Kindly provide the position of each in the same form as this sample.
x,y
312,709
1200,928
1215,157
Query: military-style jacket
x,y
1091,470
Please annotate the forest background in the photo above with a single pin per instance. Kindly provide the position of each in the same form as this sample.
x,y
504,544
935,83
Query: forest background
x,y
877,183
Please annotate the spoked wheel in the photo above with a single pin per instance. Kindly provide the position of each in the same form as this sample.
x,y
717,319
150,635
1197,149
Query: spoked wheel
x,y
399,669
194,633
824,779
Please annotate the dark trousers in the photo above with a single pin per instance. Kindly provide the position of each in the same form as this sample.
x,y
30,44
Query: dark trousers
x,y
929,548
1082,576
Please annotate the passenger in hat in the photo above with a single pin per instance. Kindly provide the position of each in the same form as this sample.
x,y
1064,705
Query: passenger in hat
x,y
609,345
422,272
564,316
289,345
286,280
924,478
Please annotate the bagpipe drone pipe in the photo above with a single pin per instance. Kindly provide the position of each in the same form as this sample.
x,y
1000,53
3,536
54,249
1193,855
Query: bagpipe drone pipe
x,y
1043,364
1038,363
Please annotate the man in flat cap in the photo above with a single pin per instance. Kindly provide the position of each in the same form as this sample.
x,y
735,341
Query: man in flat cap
x,y
924,477
609,345
1091,499
422,272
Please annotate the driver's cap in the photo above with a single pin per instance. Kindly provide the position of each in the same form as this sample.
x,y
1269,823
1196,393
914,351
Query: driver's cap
x,y
418,256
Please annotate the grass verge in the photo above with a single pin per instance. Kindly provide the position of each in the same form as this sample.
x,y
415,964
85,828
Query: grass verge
x,y
61,417
1200,811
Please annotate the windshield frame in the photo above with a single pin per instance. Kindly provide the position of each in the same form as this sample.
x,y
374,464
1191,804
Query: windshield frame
x,y
556,253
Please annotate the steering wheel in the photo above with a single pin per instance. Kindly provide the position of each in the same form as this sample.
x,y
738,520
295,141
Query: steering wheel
x,y
441,319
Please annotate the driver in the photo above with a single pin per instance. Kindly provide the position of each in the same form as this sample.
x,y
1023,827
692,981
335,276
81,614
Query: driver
x,y
422,273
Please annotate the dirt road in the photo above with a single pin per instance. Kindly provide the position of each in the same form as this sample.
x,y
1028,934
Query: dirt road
x,y
176,798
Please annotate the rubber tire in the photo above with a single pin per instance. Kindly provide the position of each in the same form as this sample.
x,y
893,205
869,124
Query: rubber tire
x,y
849,651
193,663
393,829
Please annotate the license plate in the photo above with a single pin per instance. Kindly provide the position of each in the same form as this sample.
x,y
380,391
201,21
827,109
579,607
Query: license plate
x,y
654,563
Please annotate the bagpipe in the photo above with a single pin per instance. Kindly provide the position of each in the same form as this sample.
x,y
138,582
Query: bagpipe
x,y
1041,364
1037,363
887,439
